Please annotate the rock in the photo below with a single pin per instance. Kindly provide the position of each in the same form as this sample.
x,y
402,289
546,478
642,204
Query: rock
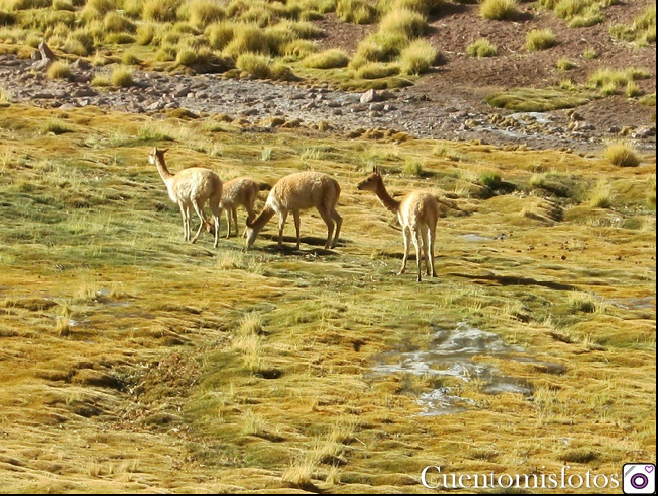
x,y
644,132
368,96
46,52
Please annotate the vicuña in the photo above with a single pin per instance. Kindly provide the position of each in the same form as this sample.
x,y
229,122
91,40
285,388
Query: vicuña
x,y
295,192
418,213
191,188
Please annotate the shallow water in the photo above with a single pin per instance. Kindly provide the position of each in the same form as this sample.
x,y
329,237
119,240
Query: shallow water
x,y
452,353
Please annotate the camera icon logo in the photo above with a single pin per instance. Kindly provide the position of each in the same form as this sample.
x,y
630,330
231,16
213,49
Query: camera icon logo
x,y
639,478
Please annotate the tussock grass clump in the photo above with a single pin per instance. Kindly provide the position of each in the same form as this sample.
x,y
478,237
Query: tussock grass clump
x,y
299,49
490,179
356,11
642,31
383,46
413,168
145,33
329,59
5,95
482,48
59,70
220,34
590,54
499,10
651,195
377,70
537,100
564,64
622,155
160,10
539,39
254,65
102,80
248,38
56,126
411,24
600,196
609,81
418,57
205,12
425,7
122,77
116,23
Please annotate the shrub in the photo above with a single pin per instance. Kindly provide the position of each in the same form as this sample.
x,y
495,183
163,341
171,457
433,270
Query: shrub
x,y
539,39
329,59
410,23
622,155
254,64
122,77
59,70
356,11
482,48
417,57
600,196
499,10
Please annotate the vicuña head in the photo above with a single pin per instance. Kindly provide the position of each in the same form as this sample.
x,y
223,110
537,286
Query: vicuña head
x,y
295,192
191,188
417,213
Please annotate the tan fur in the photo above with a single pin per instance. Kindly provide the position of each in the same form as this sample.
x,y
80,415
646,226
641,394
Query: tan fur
x,y
191,188
241,191
300,191
418,213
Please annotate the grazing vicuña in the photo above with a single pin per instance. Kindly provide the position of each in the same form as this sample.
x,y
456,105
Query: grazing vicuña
x,y
296,192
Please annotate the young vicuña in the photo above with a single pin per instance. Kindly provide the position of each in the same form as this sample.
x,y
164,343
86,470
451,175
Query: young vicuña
x,y
296,192
241,191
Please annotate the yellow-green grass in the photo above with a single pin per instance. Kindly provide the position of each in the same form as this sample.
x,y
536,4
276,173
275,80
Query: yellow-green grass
x,y
539,39
482,47
133,361
499,10
539,100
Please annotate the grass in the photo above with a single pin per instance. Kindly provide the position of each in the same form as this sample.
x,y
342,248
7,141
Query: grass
x,y
622,155
482,48
329,59
499,10
537,100
252,370
539,39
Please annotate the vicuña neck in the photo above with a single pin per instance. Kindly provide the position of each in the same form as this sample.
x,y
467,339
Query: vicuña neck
x,y
386,199
162,169
263,219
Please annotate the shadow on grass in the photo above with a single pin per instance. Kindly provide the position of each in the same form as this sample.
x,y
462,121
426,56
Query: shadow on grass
x,y
515,280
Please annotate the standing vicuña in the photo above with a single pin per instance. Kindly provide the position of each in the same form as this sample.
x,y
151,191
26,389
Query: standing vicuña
x,y
191,188
241,191
296,192
418,213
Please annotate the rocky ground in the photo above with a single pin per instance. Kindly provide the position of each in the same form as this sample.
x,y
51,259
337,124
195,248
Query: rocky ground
x,y
448,103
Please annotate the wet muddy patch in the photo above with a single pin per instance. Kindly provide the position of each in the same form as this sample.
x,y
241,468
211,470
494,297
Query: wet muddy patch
x,y
454,354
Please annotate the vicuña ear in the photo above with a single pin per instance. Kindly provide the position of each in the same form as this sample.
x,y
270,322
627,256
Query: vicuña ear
x,y
164,150
375,169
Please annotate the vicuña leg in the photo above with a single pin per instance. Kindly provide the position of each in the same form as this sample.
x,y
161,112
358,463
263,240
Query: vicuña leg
x,y
282,221
415,239
405,239
295,217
